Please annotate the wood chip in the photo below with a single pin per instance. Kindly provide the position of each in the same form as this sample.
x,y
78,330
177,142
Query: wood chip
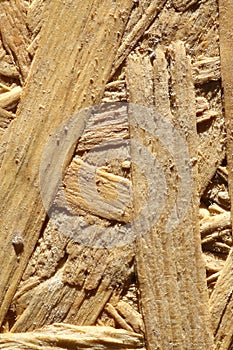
x,y
183,5
11,98
215,223
206,69
67,336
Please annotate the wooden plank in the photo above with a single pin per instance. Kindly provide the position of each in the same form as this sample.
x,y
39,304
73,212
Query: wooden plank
x,y
169,265
47,100
67,336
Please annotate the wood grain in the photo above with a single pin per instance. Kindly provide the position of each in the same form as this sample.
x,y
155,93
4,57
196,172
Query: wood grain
x,y
137,31
221,303
173,293
83,71
67,336
222,298
15,34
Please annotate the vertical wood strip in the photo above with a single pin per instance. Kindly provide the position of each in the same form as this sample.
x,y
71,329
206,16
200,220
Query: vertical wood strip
x,y
169,264
226,54
138,30
221,301
69,72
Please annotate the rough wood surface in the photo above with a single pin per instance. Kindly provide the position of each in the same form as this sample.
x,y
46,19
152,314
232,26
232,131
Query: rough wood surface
x,y
137,31
15,34
112,52
78,85
171,290
226,39
221,301
66,336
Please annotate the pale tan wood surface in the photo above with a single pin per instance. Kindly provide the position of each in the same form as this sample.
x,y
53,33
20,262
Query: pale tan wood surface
x,y
65,336
14,33
142,60
221,299
173,292
80,83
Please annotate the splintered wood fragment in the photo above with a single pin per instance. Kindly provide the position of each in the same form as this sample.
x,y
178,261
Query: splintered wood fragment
x,y
215,223
226,54
8,70
15,34
131,316
169,262
67,336
119,320
221,304
54,100
206,69
105,126
212,264
35,16
92,265
221,301
211,152
206,116
11,98
5,119
182,5
138,30
143,95
63,296
115,189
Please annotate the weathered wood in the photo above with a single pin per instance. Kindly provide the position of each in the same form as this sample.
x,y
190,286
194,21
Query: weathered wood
x,y
5,119
206,70
9,99
67,336
116,190
182,5
137,31
131,316
217,222
169,265
15,34
221,301
226,51
78,292
83,71
95,269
